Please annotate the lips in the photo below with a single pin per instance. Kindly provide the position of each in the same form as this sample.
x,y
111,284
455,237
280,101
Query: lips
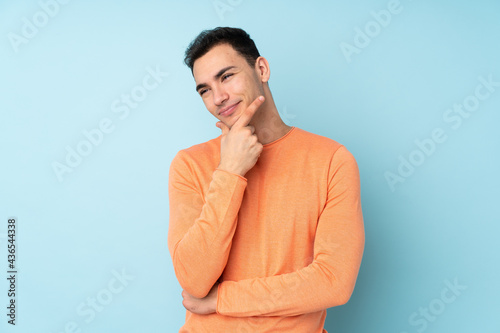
x,y
227,111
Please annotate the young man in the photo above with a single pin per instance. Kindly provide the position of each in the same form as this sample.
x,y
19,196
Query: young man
x,y
266,228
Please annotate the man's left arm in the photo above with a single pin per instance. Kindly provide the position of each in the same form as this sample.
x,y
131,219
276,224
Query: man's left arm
x,y
329,280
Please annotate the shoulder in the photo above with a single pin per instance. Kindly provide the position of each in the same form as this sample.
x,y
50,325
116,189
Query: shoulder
x,y
316,142
328,148
198,153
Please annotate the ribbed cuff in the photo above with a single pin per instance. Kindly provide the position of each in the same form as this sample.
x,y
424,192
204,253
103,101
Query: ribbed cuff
x,y
218,298
231,173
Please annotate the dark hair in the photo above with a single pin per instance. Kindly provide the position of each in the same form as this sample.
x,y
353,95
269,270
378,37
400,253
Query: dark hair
x,y
207,39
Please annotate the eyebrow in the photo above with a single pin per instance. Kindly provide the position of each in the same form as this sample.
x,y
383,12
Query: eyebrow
x,y
216,76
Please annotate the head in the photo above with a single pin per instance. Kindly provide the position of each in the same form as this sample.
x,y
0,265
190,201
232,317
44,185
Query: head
x,y
228,70
207,39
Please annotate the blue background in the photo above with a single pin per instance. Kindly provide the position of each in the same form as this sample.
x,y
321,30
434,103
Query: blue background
x,y
109,215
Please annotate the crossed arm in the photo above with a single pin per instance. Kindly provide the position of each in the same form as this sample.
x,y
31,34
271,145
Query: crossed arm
x,y
328,281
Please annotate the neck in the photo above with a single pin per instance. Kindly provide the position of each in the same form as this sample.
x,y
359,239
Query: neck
x,y
268,124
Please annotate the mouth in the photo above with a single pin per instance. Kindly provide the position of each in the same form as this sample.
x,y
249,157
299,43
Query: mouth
x,y
227,111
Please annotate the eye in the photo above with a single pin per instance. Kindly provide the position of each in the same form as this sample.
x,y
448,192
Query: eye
x,y
225,76
202,91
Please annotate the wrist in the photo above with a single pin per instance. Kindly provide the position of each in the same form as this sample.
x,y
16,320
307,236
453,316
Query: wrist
x,y
231,170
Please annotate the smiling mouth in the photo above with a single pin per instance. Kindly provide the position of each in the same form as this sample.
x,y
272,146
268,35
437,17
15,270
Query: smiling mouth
x,y
229,110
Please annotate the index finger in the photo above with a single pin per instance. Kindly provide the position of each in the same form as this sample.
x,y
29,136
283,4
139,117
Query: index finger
x,y
247,115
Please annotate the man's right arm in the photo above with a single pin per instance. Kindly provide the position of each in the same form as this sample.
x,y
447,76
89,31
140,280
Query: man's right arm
x,y
201,227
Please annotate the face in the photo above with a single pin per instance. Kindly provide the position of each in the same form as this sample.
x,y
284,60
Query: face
x,y
226,82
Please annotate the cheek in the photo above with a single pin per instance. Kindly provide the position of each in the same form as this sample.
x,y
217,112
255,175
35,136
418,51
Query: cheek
x,y
237,87
254,87
258,85
210,107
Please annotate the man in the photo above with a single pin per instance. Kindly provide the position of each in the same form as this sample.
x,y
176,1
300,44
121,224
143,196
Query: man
x,y
266,228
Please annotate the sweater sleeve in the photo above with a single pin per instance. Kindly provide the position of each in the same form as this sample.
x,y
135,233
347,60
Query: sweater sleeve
x,y
201,225
338,248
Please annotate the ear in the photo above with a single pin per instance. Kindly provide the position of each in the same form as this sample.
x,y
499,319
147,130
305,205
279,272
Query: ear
x,y
262,69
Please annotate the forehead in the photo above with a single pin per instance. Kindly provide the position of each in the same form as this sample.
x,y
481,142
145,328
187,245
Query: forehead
x,y
220,56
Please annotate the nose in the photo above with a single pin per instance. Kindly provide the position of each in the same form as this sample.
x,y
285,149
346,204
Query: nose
x,y
220,95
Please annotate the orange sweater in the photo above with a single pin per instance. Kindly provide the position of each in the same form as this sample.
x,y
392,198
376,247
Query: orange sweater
x,y
286,240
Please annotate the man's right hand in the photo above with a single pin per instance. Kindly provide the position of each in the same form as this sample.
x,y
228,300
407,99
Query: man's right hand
x,y
240,148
